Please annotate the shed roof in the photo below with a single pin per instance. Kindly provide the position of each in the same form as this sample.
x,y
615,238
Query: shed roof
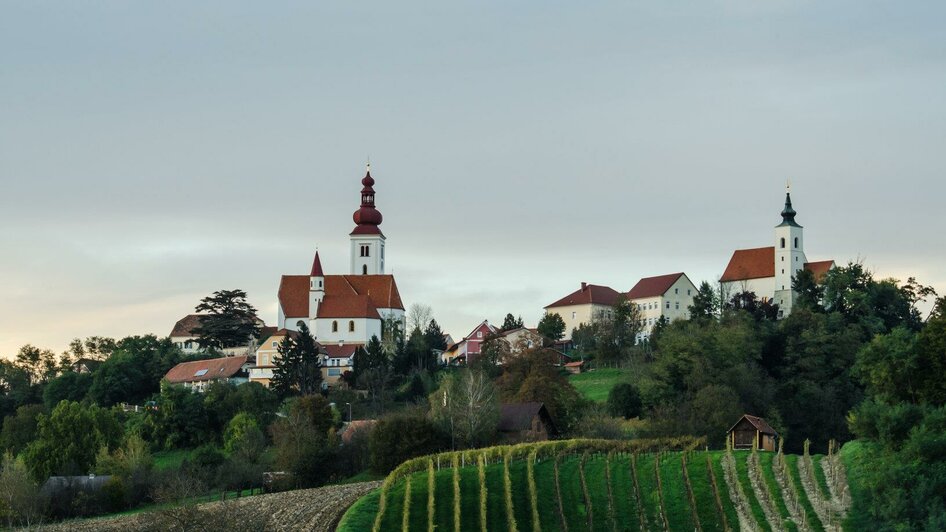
x,y
757,422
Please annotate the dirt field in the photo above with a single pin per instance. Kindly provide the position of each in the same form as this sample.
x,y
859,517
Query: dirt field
x,y
314,509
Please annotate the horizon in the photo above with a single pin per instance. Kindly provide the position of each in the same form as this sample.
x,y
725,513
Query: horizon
x,y
152,156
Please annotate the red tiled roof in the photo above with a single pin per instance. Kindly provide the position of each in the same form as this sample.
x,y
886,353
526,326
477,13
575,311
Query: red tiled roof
x,y
186,325
819,269
754,263
357,426
214,368
341,295
576,364
588,294
340,351
653,286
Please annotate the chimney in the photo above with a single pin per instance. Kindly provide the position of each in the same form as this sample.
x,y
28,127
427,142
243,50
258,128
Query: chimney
x,y
584,286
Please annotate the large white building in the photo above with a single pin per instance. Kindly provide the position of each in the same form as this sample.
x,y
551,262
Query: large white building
x,y
665,297
769,271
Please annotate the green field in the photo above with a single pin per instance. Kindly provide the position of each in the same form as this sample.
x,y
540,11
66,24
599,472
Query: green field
x,y
596,384
592,490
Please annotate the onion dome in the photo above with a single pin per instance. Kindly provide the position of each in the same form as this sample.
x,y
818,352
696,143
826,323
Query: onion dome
x,y
367,218
788,213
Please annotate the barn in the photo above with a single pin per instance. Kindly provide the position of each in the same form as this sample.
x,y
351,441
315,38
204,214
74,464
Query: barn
x,y
750,430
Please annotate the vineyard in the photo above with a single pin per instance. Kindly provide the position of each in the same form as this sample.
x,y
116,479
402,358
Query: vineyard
x,y
609,486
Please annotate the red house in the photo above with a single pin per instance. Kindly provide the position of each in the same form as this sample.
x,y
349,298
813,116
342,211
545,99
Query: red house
x,y
471,345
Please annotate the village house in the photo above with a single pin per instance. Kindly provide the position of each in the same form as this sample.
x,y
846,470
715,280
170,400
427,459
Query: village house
x,y
584,305
183,336
470,346
666,297
769,271
197,375
525,422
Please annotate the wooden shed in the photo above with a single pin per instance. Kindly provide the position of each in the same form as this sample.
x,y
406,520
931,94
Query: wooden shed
x,y
752,430
525,422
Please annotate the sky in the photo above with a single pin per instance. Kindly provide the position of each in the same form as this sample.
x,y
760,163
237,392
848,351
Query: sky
x,y
154,152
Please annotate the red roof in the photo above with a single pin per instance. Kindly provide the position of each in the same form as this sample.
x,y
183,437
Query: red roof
x,y
186,325
316,267
346,296
759,263
589,294
575,364
754,263
819,269
653,286
340,351
205,370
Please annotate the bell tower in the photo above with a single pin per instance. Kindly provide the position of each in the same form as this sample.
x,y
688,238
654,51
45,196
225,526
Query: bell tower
x,y
367,240
789,256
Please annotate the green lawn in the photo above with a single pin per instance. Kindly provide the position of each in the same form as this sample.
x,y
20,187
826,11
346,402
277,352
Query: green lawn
x,y
170,459
596,384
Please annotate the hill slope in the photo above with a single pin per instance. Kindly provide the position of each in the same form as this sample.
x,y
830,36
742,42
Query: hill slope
x,y
587,487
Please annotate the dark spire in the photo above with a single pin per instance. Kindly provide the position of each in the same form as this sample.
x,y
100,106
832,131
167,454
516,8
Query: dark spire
x,y
367,218
788,213
316,267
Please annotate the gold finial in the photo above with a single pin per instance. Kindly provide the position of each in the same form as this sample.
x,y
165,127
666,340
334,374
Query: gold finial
x,y
788,185
368,163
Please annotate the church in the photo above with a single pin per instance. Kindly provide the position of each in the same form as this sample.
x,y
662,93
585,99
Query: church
x,y
346,310
769,271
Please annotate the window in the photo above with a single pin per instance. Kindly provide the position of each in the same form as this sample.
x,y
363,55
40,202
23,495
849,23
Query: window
x,y
783,270
334,326
275,344
796,259
479,334
796,242
782,242
783,259
351,326
676,290
333,372
688,291
678,305
668,304
573,315
187,345
365,250
364,269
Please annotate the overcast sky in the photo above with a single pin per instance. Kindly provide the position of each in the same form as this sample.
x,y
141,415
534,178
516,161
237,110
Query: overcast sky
x,y
153,152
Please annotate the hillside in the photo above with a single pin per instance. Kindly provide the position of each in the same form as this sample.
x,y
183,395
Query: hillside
x,y
588,485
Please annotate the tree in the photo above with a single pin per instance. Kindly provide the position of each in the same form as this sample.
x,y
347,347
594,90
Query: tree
x,y
243,438
418,316
624,400
533,377
20,429
180,419
227,320
15,388
304,446
70,386
511,323
39,364
133,372
467,406
297,369
616,331
755,307
809,292
20,499
433,335
400,436
69,438
705,303
552,326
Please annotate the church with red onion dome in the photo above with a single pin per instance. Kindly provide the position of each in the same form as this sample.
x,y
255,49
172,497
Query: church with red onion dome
x,y
343,312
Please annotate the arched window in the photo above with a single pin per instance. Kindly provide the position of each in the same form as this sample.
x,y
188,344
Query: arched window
x,y
783,242
796,242
364,269
334,326
351,326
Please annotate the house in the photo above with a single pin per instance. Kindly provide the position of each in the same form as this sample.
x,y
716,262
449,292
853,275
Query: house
x,y
266,354
59,486
752,430
575,367
665,297
183,336
86,365
770,271
524,338
525,422
471,345
197,375
584,305
338,359
346,308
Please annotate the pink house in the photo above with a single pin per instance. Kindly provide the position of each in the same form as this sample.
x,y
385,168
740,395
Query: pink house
x,y
470,345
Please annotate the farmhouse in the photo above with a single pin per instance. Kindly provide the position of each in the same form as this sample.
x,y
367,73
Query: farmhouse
x,y
666,297
198,375
752,430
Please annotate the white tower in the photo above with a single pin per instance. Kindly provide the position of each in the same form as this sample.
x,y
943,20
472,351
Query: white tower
x,y
789,256
367,240
316,289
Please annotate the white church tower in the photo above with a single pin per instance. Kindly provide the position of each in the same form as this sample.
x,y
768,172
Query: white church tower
x,y
367,240
789,256
316,289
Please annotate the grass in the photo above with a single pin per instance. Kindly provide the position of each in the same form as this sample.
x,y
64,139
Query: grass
x,y
822,480
165,460
617,512
596,384
813,520
856,457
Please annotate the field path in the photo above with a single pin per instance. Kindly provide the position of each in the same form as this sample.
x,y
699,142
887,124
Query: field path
x,y
317,509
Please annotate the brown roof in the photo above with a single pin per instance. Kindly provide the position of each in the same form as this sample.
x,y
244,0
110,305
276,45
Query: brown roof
x,y
206,370
756,422
576,364
346,296
653,286
588,294
819,269
754,263
186,325
340,351
515,417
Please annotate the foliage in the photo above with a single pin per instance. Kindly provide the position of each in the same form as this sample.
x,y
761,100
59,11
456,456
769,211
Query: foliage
x,y
226,320
70,386
705,304
552,326
305,441
20,501
297,370
133,372
759,309
511,322
20,428
532,377
400,436
624,400
243,438
595,385
467,407
179,420
68,439
223,400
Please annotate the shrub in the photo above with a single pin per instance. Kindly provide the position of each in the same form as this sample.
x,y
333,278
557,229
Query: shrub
x,y
401,436
624,400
